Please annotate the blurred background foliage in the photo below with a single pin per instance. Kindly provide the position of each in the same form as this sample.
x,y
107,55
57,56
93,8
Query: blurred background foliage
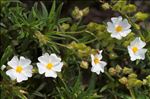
x,y
74,29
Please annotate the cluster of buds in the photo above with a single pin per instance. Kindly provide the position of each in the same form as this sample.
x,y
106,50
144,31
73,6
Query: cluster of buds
x,y
131,81
115,70
81,49
78,14
129,8
140,16
42,38
96,27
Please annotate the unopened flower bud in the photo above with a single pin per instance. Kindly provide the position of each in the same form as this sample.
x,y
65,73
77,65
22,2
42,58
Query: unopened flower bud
x,y
112,71
84,64
123,80
105,6
85,11
65,26
138,83
144,81
118,69
127,70
129,8
76,13
3,67
132,75
140,16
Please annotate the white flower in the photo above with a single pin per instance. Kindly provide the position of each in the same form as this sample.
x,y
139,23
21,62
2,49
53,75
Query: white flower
x,y
118,28
136,50
3,67
21,69
97,64
50,65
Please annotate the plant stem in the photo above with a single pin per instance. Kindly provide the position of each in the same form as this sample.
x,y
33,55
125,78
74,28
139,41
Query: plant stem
x,y
131,93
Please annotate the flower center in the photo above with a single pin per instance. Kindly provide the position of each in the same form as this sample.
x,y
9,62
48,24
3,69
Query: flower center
x,y
19,69
49,66
119,28
96,60
134,49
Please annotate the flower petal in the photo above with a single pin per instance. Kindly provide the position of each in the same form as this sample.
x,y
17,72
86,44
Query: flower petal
x,y
28,71
24,62
116,20
138,42
125,32
141,53
54,59
116,35
13,62
11,73
96,69
125,24
51,73
58,67
21,77
110,27
41,68
44,58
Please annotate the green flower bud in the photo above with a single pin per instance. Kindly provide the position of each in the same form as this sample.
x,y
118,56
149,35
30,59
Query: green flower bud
x,y
131,82
65,26
105,6
148,78
77,14
42,38
140,16
127,70
129,8
123,80
144,82
84,65
138,83
118,6
85,11
132,75
118,69
92,26
112,71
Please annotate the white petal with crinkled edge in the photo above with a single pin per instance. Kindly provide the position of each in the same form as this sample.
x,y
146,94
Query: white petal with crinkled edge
x,y
44,58
24,62
21,77
116,20
125,32
116,35
138,42
58,67
13,62
41,68
51,73
11,73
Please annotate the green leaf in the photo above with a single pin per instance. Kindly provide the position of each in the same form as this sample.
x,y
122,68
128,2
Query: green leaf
x,y
7,53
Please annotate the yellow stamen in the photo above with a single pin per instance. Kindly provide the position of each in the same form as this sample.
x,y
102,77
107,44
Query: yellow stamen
x,y
19,69
96,60
134,49
118,28
49,66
